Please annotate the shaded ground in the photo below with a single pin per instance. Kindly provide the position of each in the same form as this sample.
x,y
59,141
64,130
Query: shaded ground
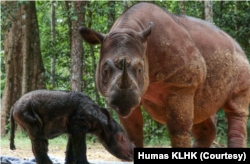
x,y
94,152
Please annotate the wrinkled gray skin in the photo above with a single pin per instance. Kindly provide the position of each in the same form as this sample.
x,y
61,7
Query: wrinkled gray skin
x,y
45,114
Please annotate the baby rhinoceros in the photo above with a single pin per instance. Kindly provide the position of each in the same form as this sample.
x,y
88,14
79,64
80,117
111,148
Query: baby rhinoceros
x,y
46,114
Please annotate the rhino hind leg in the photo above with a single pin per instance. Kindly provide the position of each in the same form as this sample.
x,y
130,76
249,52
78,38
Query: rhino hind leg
x,y
204,133
237,112
29,122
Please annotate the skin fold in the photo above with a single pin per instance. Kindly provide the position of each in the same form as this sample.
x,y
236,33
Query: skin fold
x,y
182,70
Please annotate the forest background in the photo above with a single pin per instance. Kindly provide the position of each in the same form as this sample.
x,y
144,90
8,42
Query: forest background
x,y
41,48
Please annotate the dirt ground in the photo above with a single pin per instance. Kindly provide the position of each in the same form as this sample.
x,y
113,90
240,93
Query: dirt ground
x,y
94,152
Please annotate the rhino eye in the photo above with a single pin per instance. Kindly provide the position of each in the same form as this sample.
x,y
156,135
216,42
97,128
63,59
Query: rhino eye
x,y
105,71
139,70
139,73
105,74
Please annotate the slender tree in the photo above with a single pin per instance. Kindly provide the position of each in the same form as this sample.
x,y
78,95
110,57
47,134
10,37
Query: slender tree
x,y
183,9
208,8
53,58
68,3
90,12
111,13
221,14
125,5
77,47
23,61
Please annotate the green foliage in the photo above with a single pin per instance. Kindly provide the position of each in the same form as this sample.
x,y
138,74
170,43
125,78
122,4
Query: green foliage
x,y
221,127
154,132
21,140
7,126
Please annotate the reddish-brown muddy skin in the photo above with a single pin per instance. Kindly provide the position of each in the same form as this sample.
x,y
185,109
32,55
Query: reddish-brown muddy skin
x,y
182,70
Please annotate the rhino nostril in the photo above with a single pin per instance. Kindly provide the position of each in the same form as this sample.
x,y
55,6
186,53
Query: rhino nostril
x,y
130,156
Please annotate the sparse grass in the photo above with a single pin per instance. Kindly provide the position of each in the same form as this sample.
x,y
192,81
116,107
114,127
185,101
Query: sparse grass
x,y
162,141
22,140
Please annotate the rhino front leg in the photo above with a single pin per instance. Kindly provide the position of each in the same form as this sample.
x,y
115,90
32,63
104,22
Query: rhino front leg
x,y
79,148
134,127
69,151
40,150
179,116
204,133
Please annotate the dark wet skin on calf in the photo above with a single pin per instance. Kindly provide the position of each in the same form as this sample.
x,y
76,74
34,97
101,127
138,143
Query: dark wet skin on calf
x,y
45,114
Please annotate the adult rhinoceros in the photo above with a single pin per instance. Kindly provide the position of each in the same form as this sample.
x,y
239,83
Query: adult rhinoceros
x,y
182,70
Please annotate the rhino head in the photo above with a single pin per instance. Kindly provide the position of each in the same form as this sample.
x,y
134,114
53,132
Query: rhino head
x,y
122,71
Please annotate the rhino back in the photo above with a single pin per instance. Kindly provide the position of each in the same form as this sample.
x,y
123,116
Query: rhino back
x,y
51,109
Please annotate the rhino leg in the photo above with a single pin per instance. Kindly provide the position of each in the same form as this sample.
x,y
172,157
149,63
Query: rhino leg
x,y
237,112
40,150
134,127
69,151
80,148
179,115
30,123
204,133
236,108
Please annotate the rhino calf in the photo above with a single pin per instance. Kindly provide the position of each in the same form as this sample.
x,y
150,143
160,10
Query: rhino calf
x,y
45,114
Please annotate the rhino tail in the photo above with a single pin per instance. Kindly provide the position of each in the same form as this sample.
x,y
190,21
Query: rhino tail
x,y
12,130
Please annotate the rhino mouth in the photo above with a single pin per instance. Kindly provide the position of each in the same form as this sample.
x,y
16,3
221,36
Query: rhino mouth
x,y
123,108
127,155
124,113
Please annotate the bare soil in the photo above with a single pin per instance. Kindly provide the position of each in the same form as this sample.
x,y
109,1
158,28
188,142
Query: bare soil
x,y
94,152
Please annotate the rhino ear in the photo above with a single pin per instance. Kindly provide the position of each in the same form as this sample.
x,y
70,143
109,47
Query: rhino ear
x,y
91,36
144,34
106,112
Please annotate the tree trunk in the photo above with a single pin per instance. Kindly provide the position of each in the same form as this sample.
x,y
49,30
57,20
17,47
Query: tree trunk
x,y
125,5
111,14
23,60
67,3
183,10
203,10
235,15
131,3
94,74
221,14
93,53
77,48
208,11
53,58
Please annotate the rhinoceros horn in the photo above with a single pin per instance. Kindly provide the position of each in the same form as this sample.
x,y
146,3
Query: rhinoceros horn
x,y
125,79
